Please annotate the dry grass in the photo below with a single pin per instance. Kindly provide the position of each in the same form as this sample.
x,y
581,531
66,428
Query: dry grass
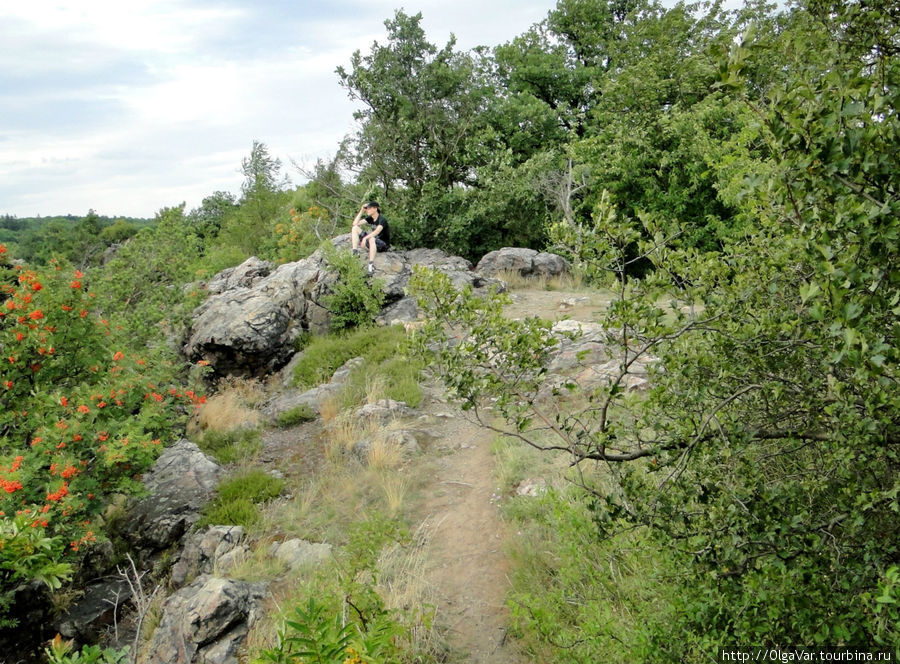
x,y
404,587
563,282
232,408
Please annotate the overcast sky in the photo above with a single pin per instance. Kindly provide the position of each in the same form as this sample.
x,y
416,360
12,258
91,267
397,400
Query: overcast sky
x,y
128,106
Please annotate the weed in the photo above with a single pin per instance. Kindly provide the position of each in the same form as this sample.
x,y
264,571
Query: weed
x,y
231,446
237,497
302,413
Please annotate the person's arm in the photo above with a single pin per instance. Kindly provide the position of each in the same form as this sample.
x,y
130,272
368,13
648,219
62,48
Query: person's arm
x,y
359,217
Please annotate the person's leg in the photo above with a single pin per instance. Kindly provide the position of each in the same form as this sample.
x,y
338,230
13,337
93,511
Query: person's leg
x,y
373,247
354,238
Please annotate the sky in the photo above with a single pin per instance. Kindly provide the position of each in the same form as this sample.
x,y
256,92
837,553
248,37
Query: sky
x,y
129,106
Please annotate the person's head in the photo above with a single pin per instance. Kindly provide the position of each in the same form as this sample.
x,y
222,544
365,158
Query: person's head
x,y
372,209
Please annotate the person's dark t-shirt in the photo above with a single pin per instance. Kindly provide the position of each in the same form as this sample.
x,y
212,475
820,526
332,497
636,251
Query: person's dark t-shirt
x,y
385,234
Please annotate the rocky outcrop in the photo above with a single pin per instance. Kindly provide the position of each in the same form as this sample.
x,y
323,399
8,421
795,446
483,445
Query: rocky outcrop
x,y
525,262
250,323
216,549
205,622
180,484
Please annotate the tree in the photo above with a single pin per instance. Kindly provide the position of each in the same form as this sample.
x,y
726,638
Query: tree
x,y
421,113
250,230
765,456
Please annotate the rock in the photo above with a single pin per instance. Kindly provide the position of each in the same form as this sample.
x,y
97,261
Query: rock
x,y
95,609
180,484
525,262
249,327
216,549
298,553
532,487
314,397
205,622
242,276
384,410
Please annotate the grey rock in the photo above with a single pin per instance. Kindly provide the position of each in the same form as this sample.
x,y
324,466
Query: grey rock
x,y
94,610
180,484
241,276
298,553
526,262
213,550
249,325
205,621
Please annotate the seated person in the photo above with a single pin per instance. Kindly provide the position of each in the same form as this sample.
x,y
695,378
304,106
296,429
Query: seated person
x,y
377,237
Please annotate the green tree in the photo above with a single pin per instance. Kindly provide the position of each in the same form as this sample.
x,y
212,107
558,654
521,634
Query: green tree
x,y
765,456
250,230
422,110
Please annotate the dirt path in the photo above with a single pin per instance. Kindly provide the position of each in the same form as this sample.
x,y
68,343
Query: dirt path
x,y
464,546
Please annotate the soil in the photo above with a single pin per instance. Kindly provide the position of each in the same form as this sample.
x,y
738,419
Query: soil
x,y
457,510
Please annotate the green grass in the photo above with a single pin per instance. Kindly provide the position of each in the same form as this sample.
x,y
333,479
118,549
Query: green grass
x,y
388,372
237,499
302,413
231,446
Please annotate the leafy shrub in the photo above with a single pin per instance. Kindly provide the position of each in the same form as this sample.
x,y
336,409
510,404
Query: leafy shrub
x,y
79,418
61,652
355,300
302,413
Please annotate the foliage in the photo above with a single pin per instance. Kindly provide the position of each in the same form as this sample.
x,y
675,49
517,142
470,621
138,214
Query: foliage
x,y
79,419
354,627
302,413
237,497
231,446
304,232
141,286
772,416
62,652
355,300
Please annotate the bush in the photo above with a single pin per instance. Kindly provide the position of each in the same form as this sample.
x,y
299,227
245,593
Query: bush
x,y
355,300
79,418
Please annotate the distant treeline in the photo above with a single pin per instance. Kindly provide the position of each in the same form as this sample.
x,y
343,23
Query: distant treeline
x,y
80,239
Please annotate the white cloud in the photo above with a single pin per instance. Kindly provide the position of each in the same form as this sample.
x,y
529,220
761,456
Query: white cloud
x,y
127,107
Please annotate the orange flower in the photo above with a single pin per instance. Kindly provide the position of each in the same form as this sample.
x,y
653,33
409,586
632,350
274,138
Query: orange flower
x,y
64,401
37,314
66,307
75,284
20,336
118,356
83,409
9,384
79,274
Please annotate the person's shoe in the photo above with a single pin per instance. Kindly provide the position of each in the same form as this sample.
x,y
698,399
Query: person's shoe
x,y
371,268
356,252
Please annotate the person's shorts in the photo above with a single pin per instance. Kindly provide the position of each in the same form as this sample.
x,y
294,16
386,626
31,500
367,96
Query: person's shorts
x,y
380,244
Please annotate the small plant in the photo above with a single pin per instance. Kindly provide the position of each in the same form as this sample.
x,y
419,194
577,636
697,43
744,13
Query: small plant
x,y
237,499
62,652
302,413
231,446
355,300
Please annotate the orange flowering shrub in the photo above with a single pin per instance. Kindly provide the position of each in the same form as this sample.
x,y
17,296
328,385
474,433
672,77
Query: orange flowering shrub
x,y
79,419
301,235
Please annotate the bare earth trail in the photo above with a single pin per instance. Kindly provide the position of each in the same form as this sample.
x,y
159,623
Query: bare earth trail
x,y
465,549
466,564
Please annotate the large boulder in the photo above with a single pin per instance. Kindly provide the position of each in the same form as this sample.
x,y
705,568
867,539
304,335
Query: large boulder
x,y
250,326
180,483
205,622
525,262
